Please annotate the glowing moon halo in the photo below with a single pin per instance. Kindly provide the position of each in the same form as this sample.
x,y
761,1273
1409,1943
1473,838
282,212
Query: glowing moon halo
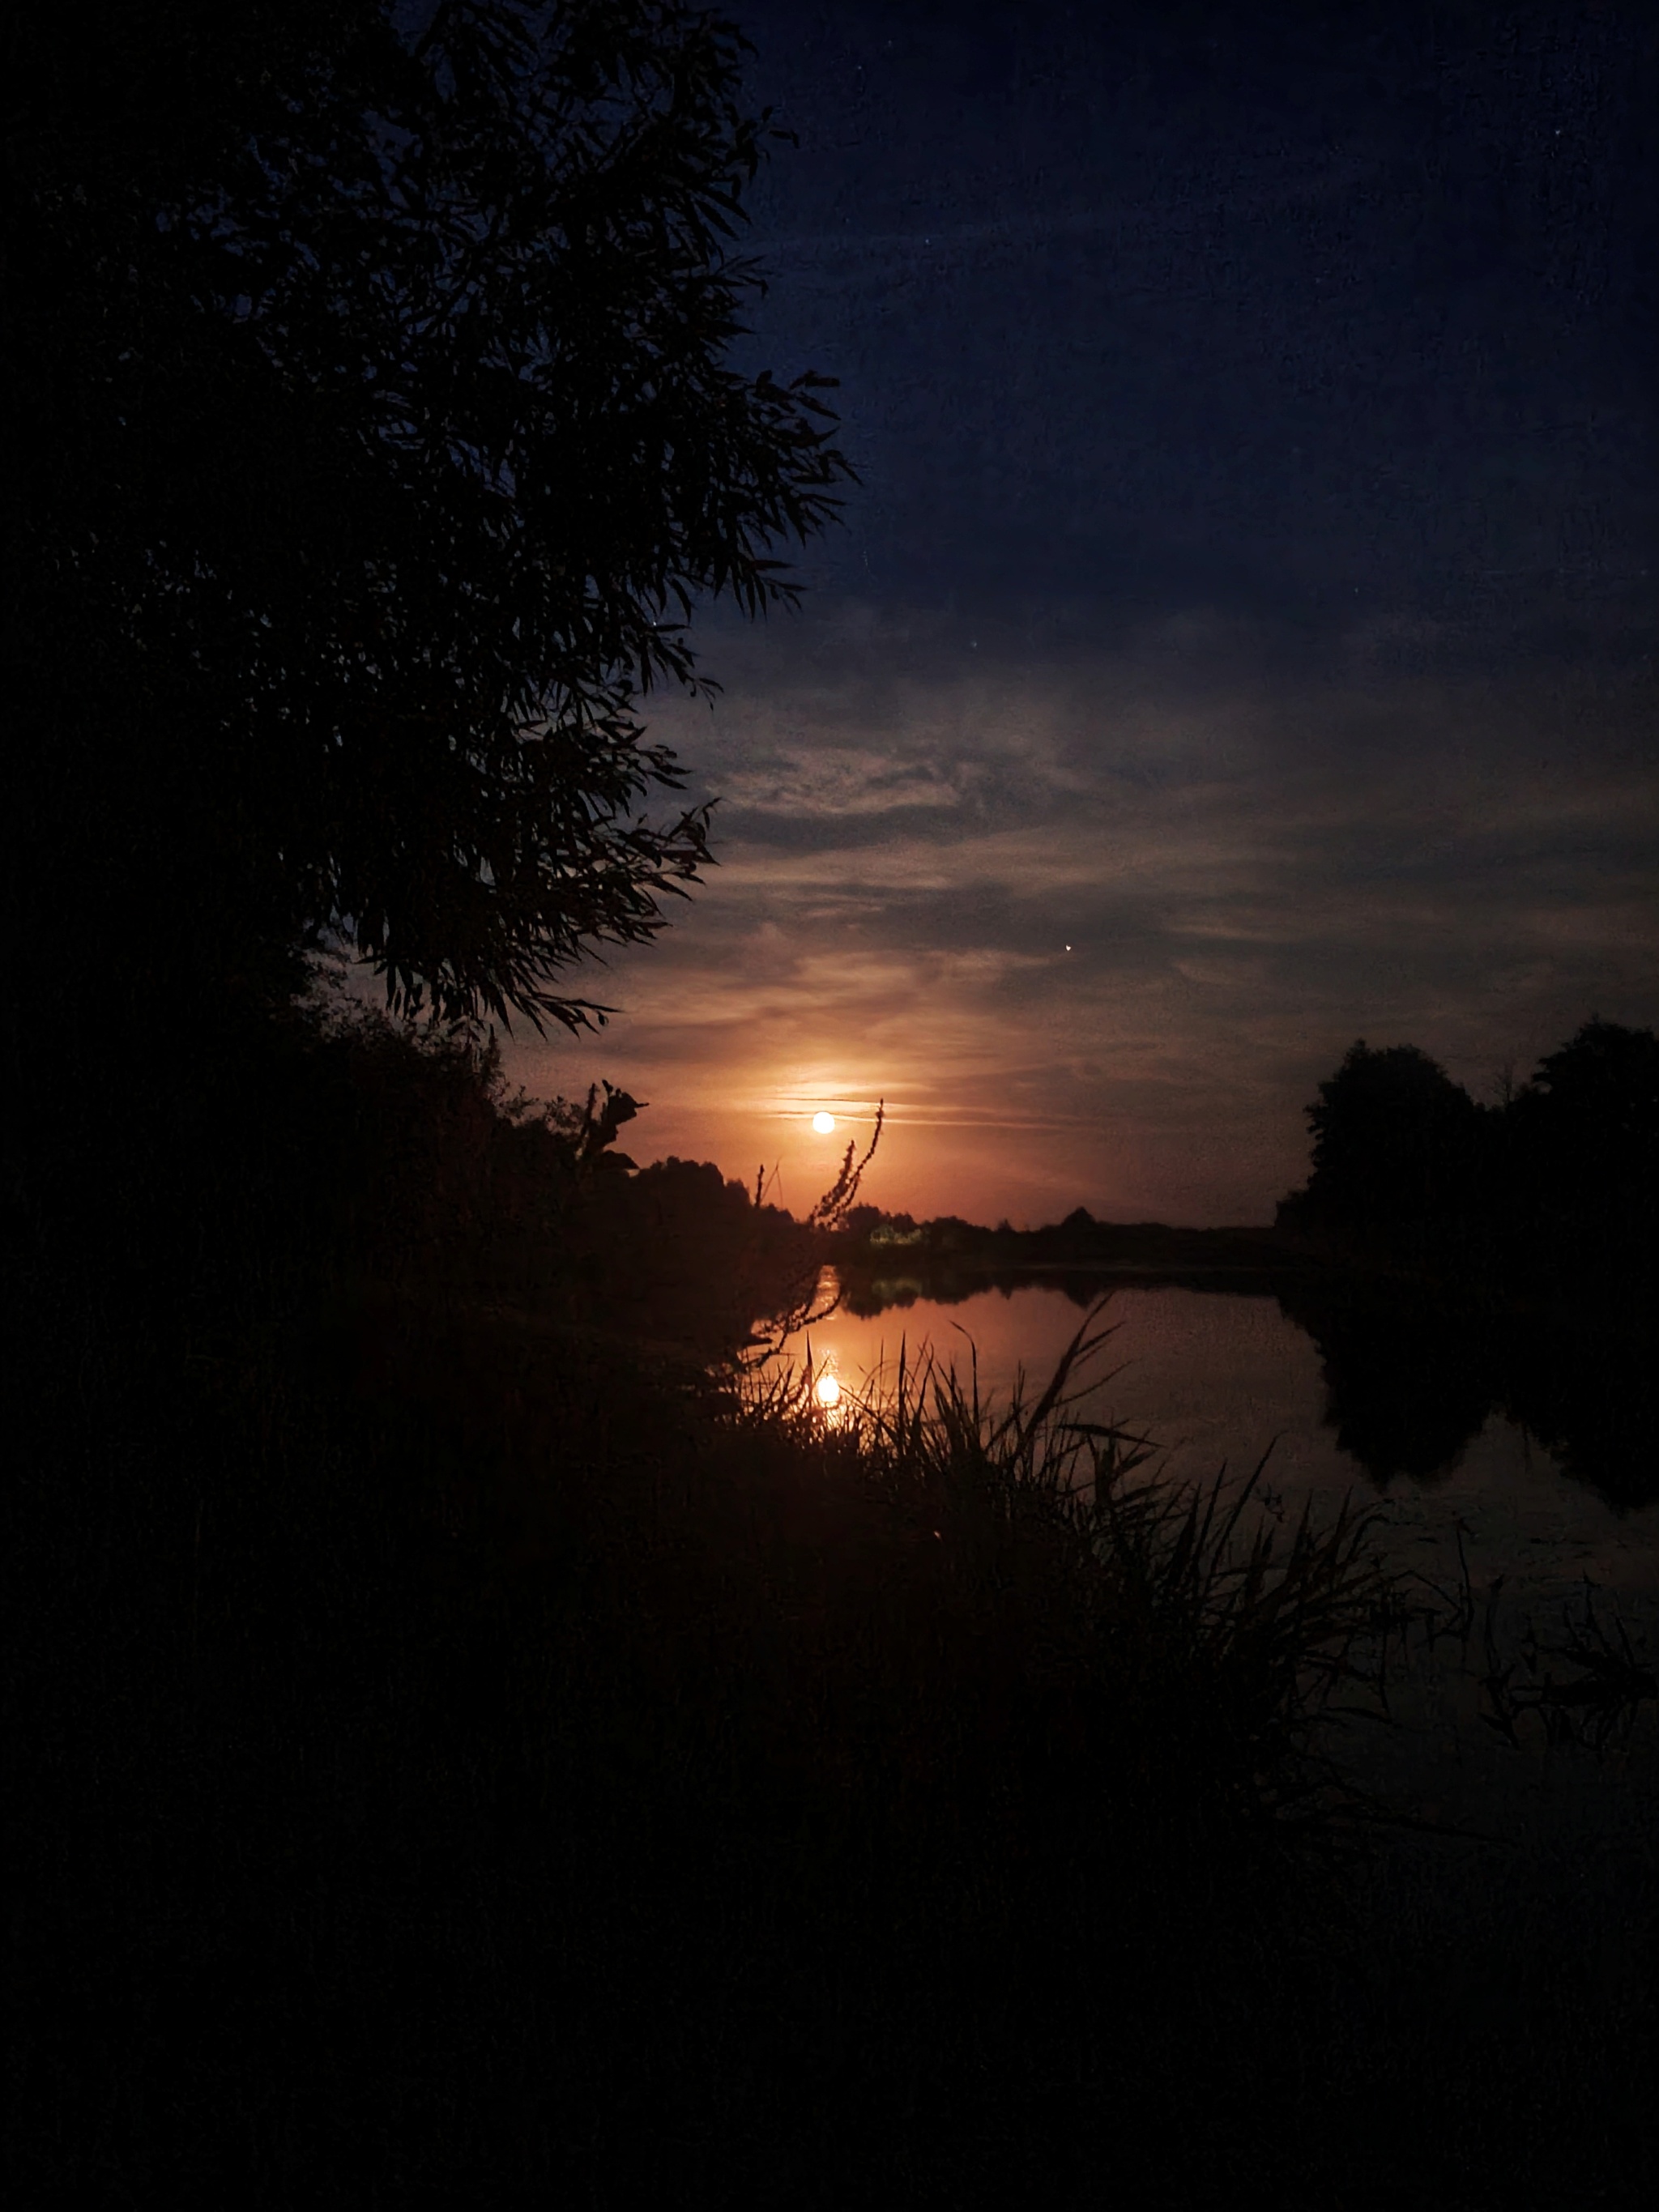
x,y
823,1123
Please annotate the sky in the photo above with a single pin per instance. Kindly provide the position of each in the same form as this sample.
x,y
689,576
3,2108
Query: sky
x,y
1240,639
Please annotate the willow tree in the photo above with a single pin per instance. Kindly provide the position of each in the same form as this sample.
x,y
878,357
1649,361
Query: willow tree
x,y
370,373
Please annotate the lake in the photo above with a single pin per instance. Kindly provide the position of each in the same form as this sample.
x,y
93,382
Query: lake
x,y
1535,1452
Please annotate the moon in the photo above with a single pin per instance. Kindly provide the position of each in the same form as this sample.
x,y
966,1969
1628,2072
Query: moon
x,y
823,1123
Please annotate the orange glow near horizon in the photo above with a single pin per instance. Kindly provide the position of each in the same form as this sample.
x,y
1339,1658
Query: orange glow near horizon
x,y
908,849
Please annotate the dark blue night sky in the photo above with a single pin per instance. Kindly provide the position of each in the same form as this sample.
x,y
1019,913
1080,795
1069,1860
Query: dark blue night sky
x,y
1278,309
1250,584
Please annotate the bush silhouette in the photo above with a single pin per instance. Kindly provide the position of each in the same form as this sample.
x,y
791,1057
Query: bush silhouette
x,y
1409,1170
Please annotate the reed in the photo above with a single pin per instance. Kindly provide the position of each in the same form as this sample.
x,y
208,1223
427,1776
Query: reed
x,y
1228,1644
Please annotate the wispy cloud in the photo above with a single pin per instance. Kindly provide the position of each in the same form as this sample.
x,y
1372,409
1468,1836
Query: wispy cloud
x,y
1250,189
1248,872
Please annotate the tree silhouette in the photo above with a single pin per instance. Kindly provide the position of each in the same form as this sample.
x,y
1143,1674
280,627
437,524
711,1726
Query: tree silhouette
x,y
1407,1389
1583,1154
1559,1184
1396,1150
376,434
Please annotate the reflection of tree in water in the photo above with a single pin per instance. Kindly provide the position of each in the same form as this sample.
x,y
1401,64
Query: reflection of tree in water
x,y
1408,1384
1408,1388
1592,1399
868,1295
1405,1392
1548,1203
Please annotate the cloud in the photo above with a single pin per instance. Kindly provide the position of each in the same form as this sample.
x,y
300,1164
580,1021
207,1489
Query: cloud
x,y
808,781
1250,869
1257,187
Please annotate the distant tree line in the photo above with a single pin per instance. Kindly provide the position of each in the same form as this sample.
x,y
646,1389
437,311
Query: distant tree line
x,y
1561,1178
434,1179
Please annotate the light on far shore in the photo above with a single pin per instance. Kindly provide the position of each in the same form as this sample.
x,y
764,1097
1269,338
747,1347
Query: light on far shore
x,y
823,1123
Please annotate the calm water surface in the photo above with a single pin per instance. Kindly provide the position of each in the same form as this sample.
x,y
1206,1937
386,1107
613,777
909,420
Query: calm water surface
x,y
1216,1380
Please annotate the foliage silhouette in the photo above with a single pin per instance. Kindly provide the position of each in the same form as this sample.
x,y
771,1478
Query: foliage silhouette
x,y
465,1194
1558,1186
1582,1158
1394,1150
375,436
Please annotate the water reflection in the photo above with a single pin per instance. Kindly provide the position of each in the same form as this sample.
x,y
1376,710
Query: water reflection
x,y
1406,1391
1516,1459
1536,1446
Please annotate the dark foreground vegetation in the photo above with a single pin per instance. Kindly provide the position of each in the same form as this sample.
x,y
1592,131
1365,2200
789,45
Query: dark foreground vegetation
x,y
472,1743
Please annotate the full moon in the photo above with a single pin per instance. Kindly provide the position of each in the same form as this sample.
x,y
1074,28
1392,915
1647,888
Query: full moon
x,y
823,1123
